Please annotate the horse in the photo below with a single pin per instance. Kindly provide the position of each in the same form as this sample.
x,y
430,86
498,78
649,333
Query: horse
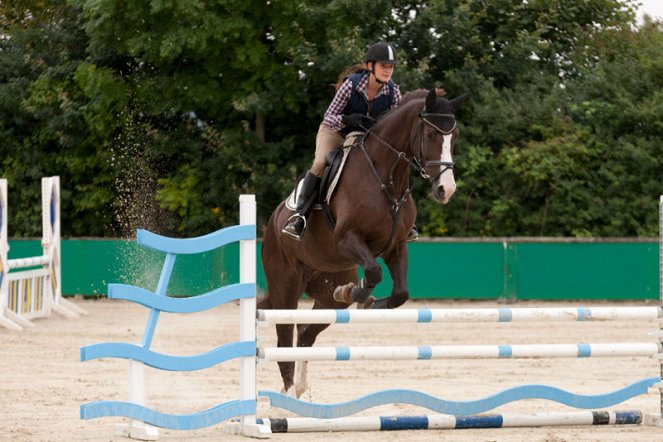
x,y
373,212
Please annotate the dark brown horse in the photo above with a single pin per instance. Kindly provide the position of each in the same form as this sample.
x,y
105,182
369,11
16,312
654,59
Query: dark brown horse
x,y
374,213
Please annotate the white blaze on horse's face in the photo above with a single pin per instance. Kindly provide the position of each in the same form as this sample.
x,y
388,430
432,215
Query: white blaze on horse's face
x,y
445,185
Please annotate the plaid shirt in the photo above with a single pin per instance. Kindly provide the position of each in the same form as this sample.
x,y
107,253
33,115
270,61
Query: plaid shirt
x,y
333,115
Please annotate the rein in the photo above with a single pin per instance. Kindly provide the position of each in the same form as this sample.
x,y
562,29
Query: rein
x,y
414,162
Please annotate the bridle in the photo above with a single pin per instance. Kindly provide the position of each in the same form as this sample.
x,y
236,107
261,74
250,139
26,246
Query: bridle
x,y
448,165
418,158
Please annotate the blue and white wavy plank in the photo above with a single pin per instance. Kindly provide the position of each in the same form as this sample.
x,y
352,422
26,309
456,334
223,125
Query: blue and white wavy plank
x,y
192,304
167,362
191,421
457,408
199,244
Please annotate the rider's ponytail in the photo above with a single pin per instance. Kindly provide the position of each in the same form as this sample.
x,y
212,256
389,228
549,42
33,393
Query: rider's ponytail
x,y
359,67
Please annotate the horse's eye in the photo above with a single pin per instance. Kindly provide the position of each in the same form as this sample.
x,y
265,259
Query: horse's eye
x,y
430,136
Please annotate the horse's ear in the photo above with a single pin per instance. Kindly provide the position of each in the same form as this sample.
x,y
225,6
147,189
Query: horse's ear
x,y
430,99
457,102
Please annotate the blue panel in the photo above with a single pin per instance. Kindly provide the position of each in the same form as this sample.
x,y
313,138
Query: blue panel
x,y
584,350
424,315
463,422
342,353
505,315
505,351
182,305
192,421
200,244
342,316
424,352
628,417
584,314
457,408
393,423
167,362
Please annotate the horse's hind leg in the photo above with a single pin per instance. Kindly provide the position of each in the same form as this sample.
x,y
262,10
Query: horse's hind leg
x,y
321,289
285,285
264,303
284,333
306,335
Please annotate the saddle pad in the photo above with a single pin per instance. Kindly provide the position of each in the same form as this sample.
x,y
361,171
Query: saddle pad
x,y
291,201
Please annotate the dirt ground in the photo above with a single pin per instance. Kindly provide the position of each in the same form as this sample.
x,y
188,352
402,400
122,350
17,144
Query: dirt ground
x,y
44,383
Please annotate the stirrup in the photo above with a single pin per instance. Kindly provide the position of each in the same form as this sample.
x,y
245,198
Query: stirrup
x,y
289,222
413,235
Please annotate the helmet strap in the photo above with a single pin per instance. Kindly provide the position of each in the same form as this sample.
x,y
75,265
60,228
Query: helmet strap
x,y
375,76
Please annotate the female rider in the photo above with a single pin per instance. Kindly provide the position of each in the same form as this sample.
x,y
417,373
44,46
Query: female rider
x,y
359,101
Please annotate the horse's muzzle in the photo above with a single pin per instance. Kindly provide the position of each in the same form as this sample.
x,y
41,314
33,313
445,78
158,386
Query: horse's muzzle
x,y
442,191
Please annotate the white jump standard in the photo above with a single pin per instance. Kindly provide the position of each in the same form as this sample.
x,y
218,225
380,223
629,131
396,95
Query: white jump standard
x,y
33,293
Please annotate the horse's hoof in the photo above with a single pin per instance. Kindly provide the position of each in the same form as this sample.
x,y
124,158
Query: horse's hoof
x,y
366,305
300,390
343,293
291,392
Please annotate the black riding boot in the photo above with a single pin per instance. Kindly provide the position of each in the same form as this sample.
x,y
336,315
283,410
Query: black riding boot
x,y
414,234
305,200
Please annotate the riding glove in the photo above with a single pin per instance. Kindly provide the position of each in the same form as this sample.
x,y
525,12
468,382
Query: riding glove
x,y
357,120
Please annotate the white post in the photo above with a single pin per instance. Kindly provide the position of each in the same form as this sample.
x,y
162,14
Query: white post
x,y
656,419
5,319
660,266
247,312
50,242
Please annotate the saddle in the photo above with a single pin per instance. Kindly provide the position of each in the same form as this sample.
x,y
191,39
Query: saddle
x,y
335,163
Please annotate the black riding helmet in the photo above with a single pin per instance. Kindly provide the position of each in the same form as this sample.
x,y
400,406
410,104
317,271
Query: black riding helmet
x,y
382,53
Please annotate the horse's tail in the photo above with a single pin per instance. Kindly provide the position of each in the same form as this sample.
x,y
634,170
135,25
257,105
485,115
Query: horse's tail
x,y
270,246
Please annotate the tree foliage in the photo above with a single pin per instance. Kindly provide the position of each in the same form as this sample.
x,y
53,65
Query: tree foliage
x,y
158,114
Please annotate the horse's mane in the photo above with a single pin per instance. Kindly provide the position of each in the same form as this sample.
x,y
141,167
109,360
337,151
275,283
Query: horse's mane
x,y
421,93
413,95
410,96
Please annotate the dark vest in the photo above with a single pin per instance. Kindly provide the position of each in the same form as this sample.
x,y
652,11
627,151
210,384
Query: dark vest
x,y
359,105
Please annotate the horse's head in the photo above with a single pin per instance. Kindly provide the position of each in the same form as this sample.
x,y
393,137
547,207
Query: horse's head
x,y
436,135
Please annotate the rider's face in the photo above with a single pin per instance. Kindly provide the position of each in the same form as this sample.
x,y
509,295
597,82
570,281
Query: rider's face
x,y
384,71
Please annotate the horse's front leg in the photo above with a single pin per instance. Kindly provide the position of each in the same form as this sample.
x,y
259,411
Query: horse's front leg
x,y
396,260
353,247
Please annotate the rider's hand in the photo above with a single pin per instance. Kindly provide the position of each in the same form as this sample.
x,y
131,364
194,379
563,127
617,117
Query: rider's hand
x,y
357,120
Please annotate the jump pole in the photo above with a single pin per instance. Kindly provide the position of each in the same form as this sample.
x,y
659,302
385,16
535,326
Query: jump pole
x,y
447,422
424,315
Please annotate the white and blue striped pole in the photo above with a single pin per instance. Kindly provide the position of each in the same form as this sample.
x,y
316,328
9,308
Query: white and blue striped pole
x,y
426,352
426,315
442,421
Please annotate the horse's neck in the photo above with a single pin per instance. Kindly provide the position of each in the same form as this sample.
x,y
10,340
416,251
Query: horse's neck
x,y
386,160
